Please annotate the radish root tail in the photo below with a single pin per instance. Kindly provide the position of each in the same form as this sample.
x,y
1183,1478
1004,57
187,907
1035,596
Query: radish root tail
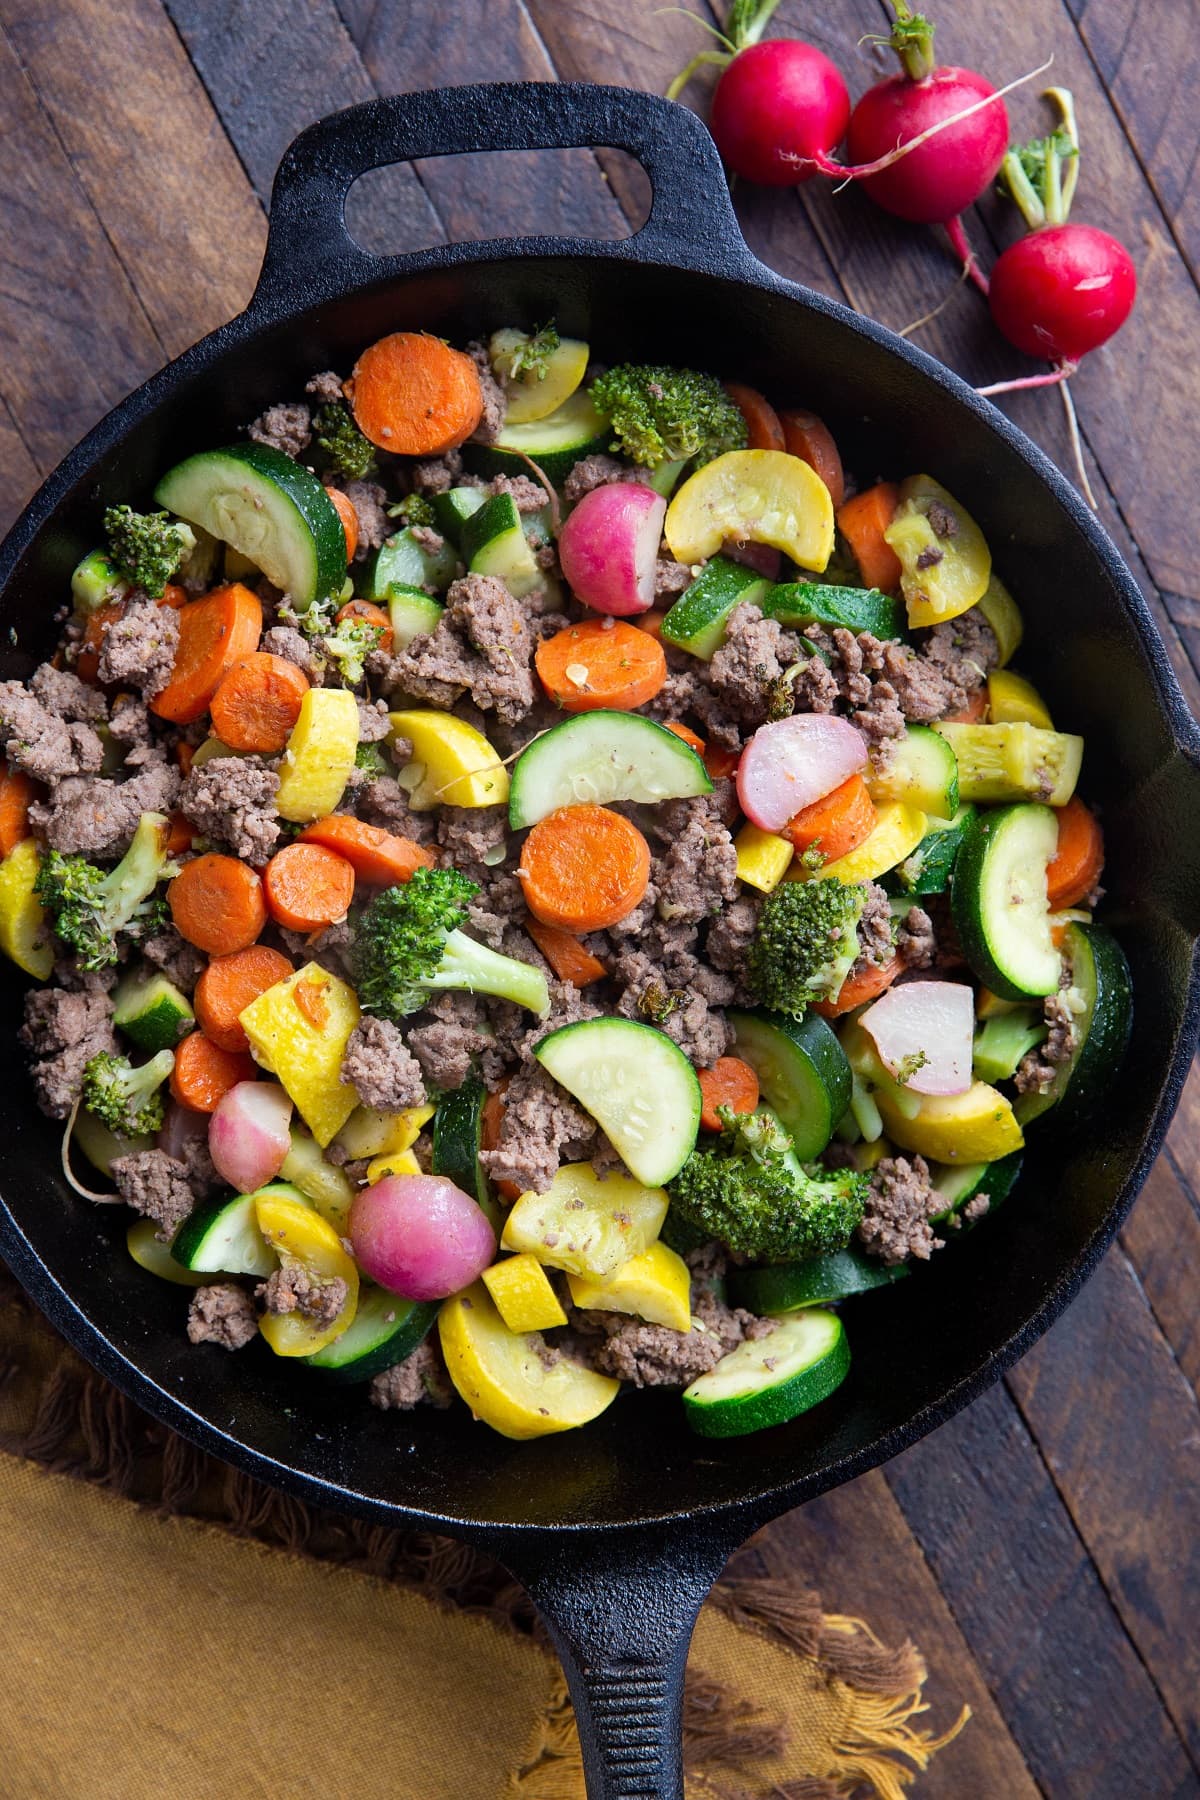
x,y
959,243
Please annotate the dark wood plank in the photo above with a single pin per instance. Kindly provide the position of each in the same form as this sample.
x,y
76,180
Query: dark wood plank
x,y
855,1548
1027,1597
19,474
1162,1239
171,198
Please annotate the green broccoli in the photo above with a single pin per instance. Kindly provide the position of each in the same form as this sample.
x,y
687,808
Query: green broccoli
x,y
805,943
751,1193
372,761
526,360
414,509
349,646
659,414
126,1099
407,944
351,454
147,548
89,906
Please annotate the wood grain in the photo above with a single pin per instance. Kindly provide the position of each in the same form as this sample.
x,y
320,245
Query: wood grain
x,y
19,474
1162,1238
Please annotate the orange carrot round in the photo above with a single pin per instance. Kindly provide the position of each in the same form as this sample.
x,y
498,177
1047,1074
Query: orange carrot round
x,y
688,735
217,904
308,887
370,614
204,1073
258,702
973,712
584,867
343,506
730,1082
1076,864
762,421
836,824
414,395
565,954
214,633
229,985
491,1124
592,666
376,856
809,438
87,663
720,764
180,839
17,791
862,521
856,990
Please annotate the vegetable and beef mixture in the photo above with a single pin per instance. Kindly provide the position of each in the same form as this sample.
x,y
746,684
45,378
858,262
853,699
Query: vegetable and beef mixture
x,y
537,881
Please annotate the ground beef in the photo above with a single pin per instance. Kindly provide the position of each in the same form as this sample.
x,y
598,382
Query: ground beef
x,y
157,1186
814,687
528,495
876,943
329,949
37,740
373,722
483,645
294,647
670,580
746,672
380,1067
292,1289
231,800
222,1313
139,647
427,539
495,404
287,427
420,1379
64,1029
453,1033
698,874
98,818
963,651
916,942
384,802
63,694
437,475
943,521
541,1128
900,1203
369,501
656,1356
592,472
178,960
1038,1067
130,726
731,934
681,1012
325,387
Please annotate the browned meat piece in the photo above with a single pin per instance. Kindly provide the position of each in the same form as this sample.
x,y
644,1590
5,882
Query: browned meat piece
x,y
286,427
731,934
483,645
528,495
294,647
916,942
1039,1066
494,403
63,694
900,1203
130,727
384,802
157,1186
654,1355
231,800
179,961
670,580
295,1290
369,501
698,874
427,539
139,647
98,818
747,671
680,1011
421,1379
324,387
876,942
373,725
455,1032
380,1067
468,834
64,1029
542,1127
222,1313
436,475
37,740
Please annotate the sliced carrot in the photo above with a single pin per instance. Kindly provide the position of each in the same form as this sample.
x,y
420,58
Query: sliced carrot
x,y
376,856
584,867
862,521
343,506
174,596
565,954
721,764
204,1073
591,666
185,756
17,791
1075,866
652,623
730,1082
312,998
229,985
308,887
972,712
370,614
214,633
87,663
412,394
217,904
491,1126
762,421
687,734
856,990
257,703
836,824
181,835
809,438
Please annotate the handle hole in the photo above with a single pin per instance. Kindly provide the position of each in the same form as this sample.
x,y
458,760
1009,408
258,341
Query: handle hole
x,y
516,193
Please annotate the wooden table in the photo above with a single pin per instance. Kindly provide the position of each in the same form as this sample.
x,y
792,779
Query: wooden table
x,y
1044,1547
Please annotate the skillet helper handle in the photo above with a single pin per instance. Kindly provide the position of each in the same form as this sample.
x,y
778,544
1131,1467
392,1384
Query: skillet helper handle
x,y
621,1616
311,253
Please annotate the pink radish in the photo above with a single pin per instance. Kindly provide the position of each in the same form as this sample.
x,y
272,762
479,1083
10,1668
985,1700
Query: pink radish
x,y
794,761
924,1032
249,1134
420,1236
609,546
180,1125
764,559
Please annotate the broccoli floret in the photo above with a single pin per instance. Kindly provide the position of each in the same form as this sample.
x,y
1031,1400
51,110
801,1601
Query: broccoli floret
x,y
349,646
528,358
371,760
414,509
750,1192
805,943
147,548
89,906
126,1099
336,433
662,415
408,943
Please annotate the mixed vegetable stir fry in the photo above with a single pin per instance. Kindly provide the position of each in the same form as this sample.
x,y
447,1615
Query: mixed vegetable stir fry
x,y
536,882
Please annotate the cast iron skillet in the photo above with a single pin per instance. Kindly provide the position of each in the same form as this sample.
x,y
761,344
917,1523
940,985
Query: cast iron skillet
x,y
619,1530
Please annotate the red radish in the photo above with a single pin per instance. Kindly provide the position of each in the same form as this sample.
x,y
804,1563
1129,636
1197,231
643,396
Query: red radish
x,y
179,1126
778,105
924,1032
609,545
420,1236
764,559
249,1134
794,761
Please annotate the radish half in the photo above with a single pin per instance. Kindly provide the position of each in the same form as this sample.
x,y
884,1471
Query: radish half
x,y
924,1032
789,764
609,546
249,1134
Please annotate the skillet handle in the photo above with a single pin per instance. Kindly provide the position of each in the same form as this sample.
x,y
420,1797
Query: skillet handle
x,y
620,1612
310,253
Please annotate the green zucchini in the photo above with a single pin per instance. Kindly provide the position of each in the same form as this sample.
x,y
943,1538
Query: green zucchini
x,y
929,868
1001,1042
384,1330
998,895
452,509
151,1011
800,603
959,1184
599,757
556,443
820,1281
223,1237
494,543
803,1074
638,1086
922,771
1102,992
413,613
95,583
767,1381
457,1141
698,619
401,563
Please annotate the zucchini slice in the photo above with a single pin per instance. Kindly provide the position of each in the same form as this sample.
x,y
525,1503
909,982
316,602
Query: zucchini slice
x,y
151,1011
922,769
493,543
1103,992
803,1074
767,1381
698,619
998,894
959,1184
818,1282
457,1140
800,603
638,1086
384,1330
598,757
1014,760
223,1237
929,868
556,443
452,509
401,564
413,614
